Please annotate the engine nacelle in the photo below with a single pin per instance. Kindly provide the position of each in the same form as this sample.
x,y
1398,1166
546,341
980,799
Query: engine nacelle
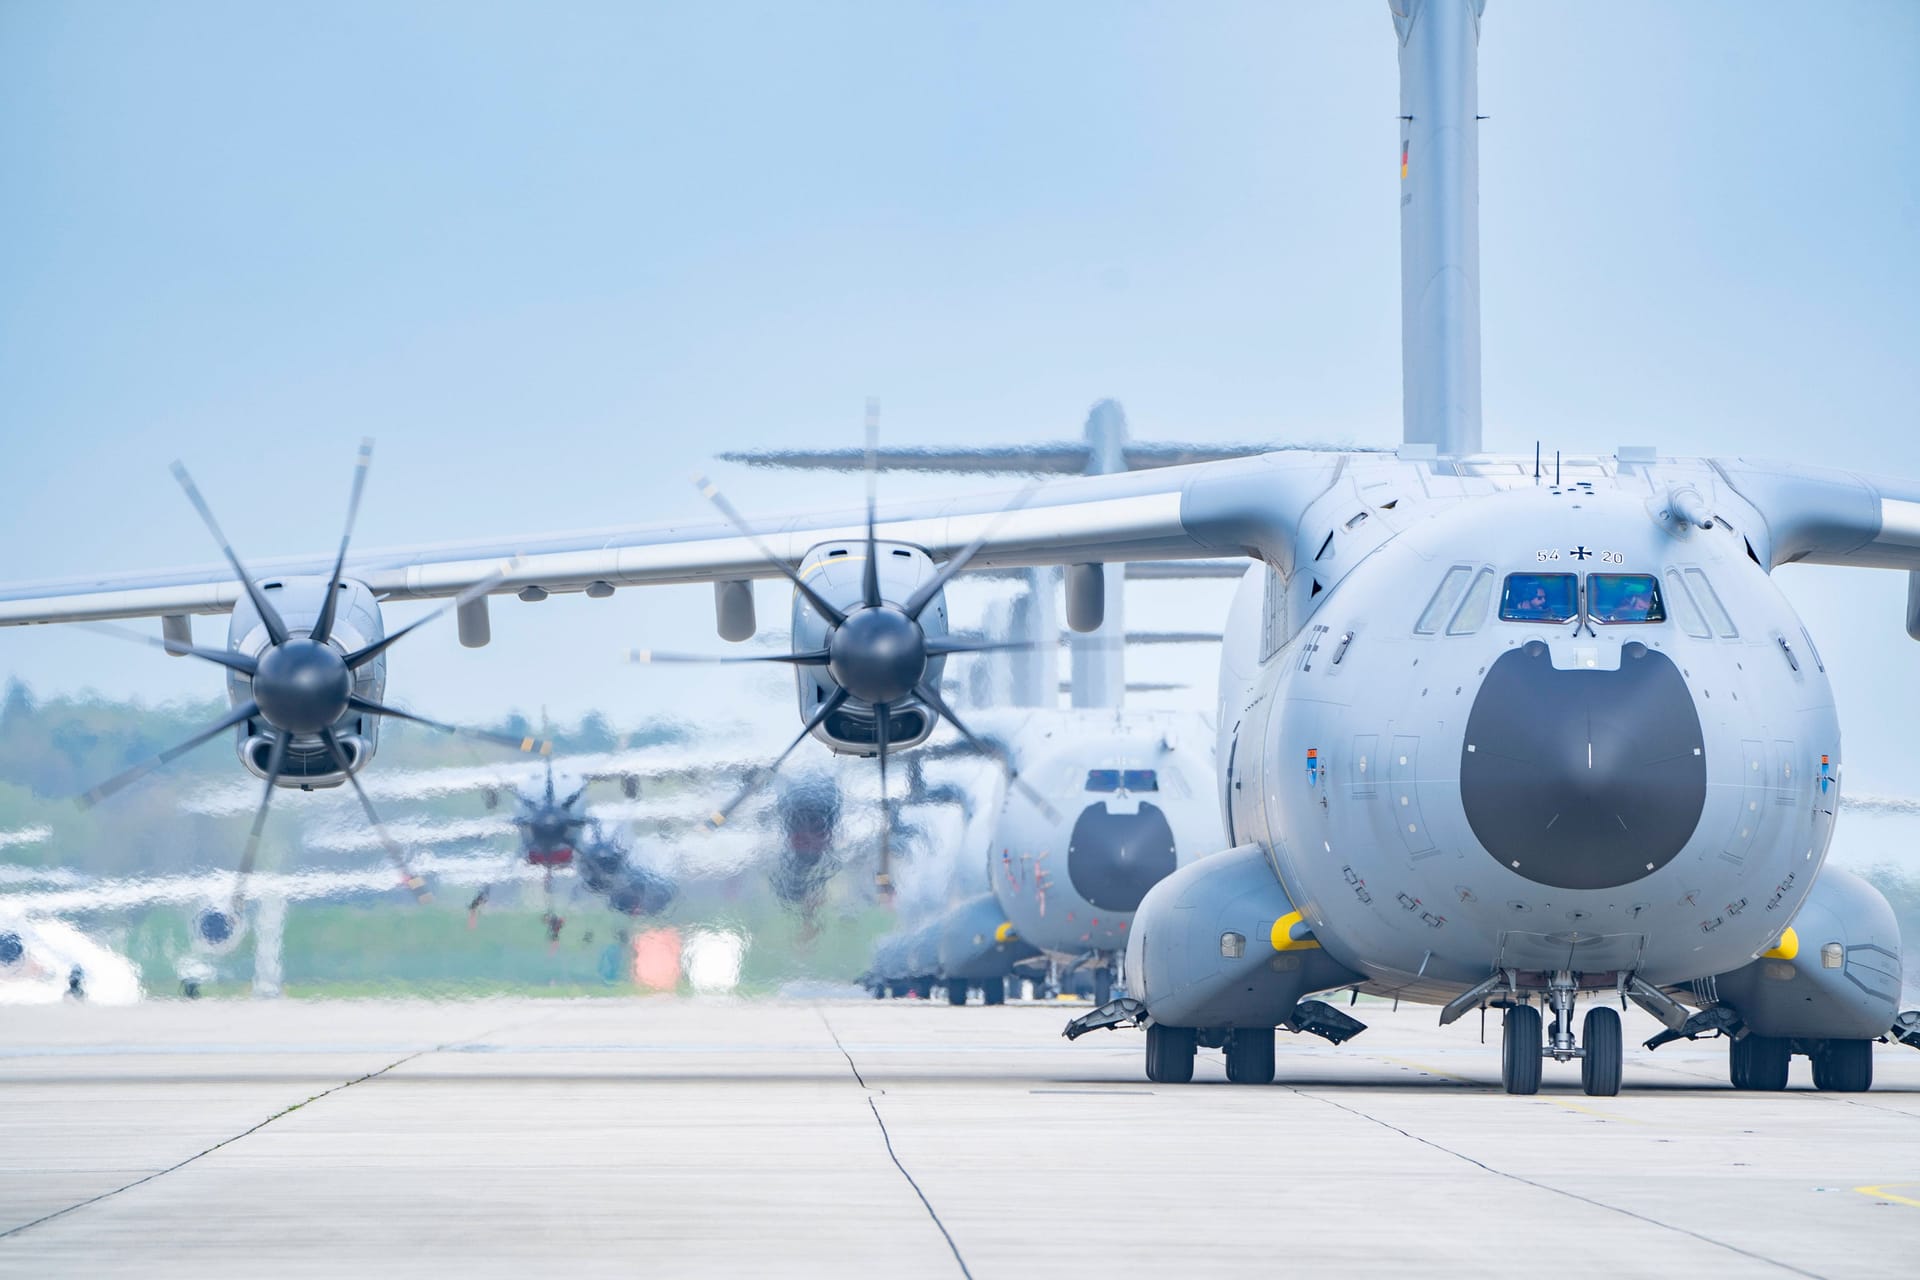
x,y
357,623
837,570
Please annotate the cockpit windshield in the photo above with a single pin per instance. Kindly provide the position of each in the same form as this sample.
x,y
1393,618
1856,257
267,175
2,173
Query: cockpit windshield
x,y
1123,780
1539,597
1624,597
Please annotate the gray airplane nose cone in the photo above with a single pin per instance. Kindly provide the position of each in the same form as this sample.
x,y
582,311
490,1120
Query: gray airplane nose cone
x,y
1114,858
877,655
301,686
1583,779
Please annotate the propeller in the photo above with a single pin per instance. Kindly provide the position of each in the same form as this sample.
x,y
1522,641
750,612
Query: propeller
x,y
301,686
877,651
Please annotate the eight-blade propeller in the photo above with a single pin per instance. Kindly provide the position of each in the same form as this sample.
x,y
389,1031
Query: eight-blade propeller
x,y
301,686
876,651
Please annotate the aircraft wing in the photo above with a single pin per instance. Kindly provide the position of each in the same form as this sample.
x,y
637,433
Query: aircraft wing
x,y
1237,507
1903,806
1060,457
1813,515
684,810
199,889
645,765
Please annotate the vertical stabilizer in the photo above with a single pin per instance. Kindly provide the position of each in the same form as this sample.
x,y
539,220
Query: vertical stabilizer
x,y
1036,620
1440,221
1099,657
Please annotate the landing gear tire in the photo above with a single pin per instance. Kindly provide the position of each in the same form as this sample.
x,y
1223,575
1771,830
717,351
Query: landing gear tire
x,y
995,992
1250,1055
1844,1066
1759,1063
1170,1053
1102,986
956,993
1520,1050
1604,1053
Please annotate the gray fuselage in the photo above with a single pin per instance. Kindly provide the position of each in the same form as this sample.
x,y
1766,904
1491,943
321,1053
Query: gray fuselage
x,y
1442,791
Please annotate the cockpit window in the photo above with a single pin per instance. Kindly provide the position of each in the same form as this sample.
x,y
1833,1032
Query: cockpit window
x,y
1443,598
1473,609
1710,601
1685,611
1624,597
1123,780
1539,597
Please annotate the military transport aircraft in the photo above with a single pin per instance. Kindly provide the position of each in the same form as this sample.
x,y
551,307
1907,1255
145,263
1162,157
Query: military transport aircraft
x,y
1493,733
1133,803
1052,899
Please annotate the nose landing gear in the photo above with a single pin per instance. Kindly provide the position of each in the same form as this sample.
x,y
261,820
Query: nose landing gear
x,y
1601,1049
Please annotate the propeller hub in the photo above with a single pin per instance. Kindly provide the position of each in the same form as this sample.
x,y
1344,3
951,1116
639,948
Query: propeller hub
x,y
302,686
878,654
215,927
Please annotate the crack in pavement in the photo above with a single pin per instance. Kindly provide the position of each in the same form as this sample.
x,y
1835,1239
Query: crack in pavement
x,y
229,1141
161,1173
873,1106
1559,1191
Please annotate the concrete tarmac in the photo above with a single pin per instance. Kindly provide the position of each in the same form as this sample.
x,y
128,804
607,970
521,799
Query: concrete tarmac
x,y
670,1137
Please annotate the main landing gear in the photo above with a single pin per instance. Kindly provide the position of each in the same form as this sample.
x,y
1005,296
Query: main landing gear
x,y
1601,1049
1249,1053
1170,1052
1760,1063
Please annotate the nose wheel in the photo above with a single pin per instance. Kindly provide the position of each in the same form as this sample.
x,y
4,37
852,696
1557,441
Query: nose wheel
x,y
1520,1050
1524,1046
1603,1053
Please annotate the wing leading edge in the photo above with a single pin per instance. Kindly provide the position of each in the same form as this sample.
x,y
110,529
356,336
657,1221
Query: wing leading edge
x,y
1235,507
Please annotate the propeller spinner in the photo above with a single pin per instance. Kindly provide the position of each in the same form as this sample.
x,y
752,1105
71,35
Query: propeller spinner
x,y
300,686
877,653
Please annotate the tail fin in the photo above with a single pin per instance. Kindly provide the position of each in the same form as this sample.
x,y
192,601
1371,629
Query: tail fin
x,y
1440,221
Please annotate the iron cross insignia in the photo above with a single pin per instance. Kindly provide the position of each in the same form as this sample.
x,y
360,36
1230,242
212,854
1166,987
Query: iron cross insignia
x,y
1580,553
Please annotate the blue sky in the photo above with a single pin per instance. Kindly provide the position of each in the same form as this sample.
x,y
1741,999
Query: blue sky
x,y
553,257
